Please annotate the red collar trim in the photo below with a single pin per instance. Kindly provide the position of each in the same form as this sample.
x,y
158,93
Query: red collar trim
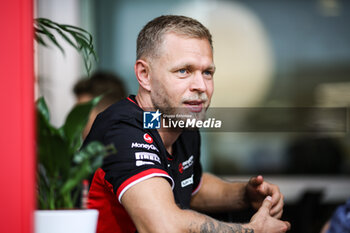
x,y
132,101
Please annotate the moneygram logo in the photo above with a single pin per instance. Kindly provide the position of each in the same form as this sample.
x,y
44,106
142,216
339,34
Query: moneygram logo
x,y
144,146
151,120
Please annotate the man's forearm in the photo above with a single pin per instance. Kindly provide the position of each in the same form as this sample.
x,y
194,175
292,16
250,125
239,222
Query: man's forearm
x,y
210,225
218,195
237,195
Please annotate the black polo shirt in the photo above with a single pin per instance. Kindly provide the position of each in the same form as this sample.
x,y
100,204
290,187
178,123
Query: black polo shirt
x,y
140,155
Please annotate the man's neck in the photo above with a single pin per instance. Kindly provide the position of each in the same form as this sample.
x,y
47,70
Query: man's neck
x,y
169,136
144,101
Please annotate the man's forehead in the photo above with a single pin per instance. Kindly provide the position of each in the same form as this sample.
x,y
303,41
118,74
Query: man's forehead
x,y
183,42
182,45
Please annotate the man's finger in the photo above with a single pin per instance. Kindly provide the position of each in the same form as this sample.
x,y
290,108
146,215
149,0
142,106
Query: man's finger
x,y
255,181
287,224
276,194
267,203
278,215
277,207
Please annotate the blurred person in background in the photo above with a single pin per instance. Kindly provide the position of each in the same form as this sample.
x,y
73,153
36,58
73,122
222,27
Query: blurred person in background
x,y
340,221
100,83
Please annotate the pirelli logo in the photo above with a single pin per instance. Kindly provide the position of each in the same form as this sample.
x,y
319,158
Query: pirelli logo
x,y
143,158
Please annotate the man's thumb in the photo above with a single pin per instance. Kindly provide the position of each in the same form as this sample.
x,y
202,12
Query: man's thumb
x,y
267,203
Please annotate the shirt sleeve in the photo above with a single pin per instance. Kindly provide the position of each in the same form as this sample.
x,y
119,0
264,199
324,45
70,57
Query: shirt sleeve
x,y
137,158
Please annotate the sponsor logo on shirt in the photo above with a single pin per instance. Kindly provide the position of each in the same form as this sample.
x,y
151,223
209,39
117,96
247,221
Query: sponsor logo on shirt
x,y
140,163
147,156
144,146
186,164
181,168
147,138
187,182
151,120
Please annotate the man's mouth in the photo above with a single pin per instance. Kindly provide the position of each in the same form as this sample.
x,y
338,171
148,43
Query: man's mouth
x,y
194,105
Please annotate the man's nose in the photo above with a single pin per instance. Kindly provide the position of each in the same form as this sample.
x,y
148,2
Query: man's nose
x,y
198,82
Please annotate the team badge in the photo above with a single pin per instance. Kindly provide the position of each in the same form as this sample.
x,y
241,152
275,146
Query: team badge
x,y
147,138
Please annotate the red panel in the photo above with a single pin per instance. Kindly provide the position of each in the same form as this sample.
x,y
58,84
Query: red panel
x,y
17,117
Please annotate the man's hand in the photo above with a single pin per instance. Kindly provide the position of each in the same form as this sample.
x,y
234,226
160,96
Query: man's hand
x,y
257,190
262,222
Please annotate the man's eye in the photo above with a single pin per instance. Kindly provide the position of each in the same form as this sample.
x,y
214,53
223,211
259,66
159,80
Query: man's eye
x,y
207,72
182,71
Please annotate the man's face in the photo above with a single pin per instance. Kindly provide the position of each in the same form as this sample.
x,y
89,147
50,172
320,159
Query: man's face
x,y
182,76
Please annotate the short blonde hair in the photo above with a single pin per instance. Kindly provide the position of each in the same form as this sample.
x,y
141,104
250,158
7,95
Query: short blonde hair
x,y
151,35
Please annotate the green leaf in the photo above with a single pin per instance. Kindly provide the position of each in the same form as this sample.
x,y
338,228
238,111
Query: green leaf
x,y
51,37
42,108
76,176
85,162
67,39
82,39
77,119
53,150
92,151
40,40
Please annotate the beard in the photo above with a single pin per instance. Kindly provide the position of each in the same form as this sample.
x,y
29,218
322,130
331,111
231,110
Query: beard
x,y
161,100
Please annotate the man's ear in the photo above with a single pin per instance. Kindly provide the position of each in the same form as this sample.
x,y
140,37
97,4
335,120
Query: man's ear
x,y
142,70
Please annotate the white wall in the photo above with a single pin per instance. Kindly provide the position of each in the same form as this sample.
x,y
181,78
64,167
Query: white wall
x,y
57,72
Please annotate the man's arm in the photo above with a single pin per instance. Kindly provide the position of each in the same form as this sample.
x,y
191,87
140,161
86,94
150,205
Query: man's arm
x,y
152,208
218,195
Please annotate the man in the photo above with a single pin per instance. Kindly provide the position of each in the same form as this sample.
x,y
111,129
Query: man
x,y
100,83
155,177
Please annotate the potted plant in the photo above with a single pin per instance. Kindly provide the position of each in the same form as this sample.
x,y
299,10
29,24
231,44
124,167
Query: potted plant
x,y
62,166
